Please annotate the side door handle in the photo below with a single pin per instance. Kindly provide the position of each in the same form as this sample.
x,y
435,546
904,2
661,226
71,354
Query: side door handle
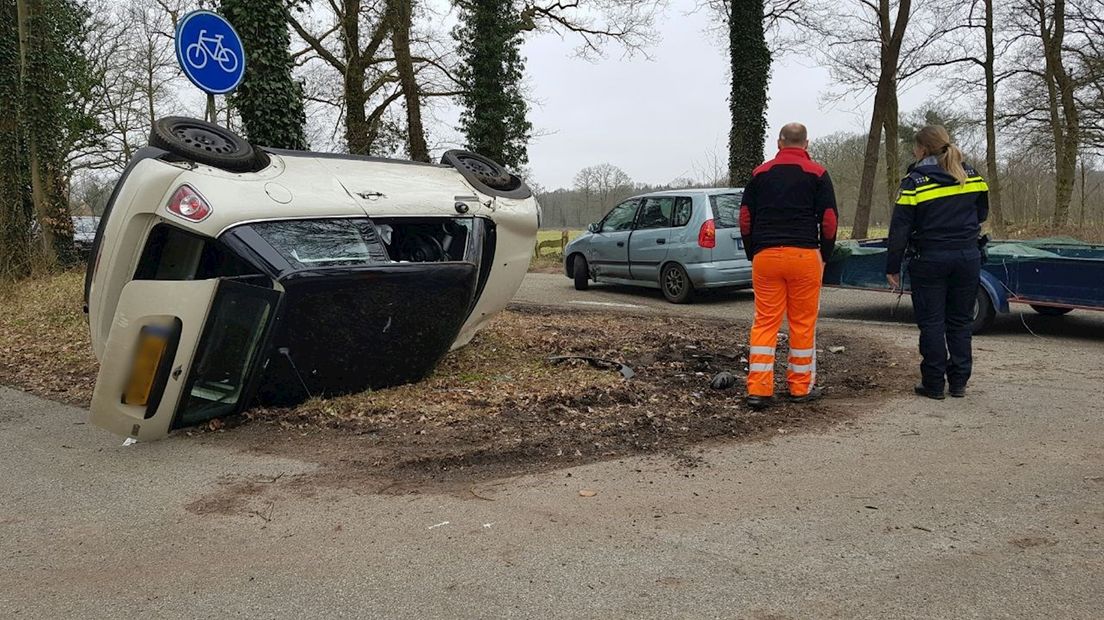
x,y
620,244
661,241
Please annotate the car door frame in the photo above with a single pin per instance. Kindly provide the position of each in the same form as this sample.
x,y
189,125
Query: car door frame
x,y
648,270
185,309
616,269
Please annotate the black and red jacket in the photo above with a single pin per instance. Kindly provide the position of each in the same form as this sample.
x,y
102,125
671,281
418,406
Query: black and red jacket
x,y
789,202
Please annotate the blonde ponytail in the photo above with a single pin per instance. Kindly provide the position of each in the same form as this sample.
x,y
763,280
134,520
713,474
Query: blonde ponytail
x,y
935,140
951,161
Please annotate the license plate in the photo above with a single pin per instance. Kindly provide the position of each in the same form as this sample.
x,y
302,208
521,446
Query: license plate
x,y
152,343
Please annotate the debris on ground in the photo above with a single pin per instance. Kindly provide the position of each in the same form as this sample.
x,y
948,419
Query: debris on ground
x,y
723,381
837,349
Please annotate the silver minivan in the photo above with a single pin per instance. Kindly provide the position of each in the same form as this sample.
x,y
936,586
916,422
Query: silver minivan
x,y
676,241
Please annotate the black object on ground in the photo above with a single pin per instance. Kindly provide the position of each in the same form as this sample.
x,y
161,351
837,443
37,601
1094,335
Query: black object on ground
x,y
597,362
723,381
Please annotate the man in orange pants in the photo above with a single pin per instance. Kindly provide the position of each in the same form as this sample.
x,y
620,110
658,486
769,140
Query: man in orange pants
x,y
788,222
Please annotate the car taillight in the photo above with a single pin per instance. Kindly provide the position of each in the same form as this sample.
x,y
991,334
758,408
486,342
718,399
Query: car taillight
x,y
707,236
189,205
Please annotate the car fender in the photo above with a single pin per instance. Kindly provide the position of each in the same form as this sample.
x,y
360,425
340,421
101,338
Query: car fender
x,y
995,289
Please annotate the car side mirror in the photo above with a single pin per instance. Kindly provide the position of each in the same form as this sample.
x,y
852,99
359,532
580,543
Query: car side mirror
x,y
593,228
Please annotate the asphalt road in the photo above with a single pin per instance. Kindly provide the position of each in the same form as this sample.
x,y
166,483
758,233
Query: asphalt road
x,y
988,507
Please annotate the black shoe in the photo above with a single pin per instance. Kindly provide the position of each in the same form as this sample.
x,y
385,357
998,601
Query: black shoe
x,y
927,393
759,403
958,392
814,394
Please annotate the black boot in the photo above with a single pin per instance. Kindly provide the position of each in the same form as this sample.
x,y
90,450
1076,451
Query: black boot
x,y
928,393
958,391
814,394
759,403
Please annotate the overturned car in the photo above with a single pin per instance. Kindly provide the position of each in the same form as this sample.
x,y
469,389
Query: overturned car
x,y
224,274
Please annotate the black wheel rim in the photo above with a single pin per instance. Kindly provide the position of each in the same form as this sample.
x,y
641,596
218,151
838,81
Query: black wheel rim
x,y
203,139
674,282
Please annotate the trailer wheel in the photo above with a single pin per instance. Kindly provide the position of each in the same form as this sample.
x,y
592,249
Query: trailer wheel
x,y
984,312
1051,310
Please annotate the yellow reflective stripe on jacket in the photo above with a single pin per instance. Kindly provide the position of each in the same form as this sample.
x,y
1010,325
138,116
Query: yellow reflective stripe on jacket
x,y
923,188
927,192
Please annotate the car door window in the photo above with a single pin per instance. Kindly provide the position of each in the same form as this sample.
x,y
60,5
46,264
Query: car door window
x,y
726,210
621,217
656,213
684,208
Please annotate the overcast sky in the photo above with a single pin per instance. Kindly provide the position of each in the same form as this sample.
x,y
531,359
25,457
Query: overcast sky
x,y
660,119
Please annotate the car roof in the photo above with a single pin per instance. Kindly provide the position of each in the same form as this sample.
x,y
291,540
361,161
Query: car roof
x,y
692,191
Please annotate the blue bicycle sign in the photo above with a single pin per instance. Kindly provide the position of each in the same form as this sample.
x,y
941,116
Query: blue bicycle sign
x,y
210,52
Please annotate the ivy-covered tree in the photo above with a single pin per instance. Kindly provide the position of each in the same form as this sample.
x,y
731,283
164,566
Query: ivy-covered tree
x,y
750,59
44,73
16,208
269,100
493,119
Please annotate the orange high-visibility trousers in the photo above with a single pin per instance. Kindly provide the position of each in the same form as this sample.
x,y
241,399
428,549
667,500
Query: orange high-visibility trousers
x,y
787,283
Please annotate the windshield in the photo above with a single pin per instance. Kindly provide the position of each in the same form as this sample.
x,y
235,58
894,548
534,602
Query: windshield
x,y
324,243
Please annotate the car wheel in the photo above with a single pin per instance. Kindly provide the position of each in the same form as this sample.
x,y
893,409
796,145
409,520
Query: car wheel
x,y
1051,310
676,285
203,143
984,312
581,273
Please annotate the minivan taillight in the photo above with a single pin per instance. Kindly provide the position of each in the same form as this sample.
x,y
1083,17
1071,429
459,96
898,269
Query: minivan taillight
x,y
707,236
189,205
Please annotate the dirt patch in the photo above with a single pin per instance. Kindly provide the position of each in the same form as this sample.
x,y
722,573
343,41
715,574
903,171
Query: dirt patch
x,y
498,408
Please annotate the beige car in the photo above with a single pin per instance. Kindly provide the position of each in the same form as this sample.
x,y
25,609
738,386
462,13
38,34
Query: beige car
x,y
225,275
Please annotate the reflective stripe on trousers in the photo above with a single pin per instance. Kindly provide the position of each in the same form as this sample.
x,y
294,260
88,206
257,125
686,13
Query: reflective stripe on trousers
x,y
787,284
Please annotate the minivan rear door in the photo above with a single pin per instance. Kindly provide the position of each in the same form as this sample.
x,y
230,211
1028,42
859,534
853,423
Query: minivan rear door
x,y
180,353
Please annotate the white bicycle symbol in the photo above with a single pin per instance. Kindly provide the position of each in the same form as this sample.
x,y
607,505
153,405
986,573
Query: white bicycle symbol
x,y
201,51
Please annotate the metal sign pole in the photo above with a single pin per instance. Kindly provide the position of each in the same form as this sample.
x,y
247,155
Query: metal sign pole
x,y
210,116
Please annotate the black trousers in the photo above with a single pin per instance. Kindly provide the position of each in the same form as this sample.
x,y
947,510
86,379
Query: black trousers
x,y
944,290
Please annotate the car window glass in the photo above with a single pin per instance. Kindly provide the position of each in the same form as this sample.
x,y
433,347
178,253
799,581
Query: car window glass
x,y
726,210
656,212
174,254
621,217
324,243
684,207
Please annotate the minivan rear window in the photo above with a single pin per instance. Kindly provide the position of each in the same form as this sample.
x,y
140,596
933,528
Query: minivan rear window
x,y
726,210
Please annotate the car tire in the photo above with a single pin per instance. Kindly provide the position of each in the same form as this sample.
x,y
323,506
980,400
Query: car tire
x,y
1051,310
984,312
581,273
204,143
675,284
482,169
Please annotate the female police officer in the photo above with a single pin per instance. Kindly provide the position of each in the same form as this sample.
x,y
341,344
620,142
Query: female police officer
x,y
937,220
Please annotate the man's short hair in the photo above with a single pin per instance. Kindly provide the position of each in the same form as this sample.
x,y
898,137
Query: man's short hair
x,y
794,134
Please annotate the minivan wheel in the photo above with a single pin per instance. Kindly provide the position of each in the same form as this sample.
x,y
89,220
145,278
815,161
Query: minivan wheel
x,y
581,273
204,143
676,285
1051,310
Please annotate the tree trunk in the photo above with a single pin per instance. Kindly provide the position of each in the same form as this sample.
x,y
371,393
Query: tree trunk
x,y
891,124
400,13
890,53
750,61
357,129
25,11
1065,126
996,215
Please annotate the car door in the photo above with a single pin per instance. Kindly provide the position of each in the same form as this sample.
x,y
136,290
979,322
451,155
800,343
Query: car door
x,y
648,244
179,353
609,247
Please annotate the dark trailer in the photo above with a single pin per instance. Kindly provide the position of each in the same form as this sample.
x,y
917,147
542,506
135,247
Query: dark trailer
x,y
1054,276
